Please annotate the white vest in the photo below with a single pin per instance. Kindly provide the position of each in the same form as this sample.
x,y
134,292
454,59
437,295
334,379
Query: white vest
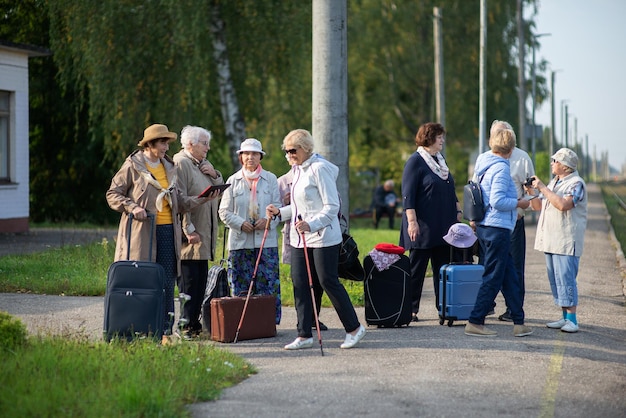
x,y
562,232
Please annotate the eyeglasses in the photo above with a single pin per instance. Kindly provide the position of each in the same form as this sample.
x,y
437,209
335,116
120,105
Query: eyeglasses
x,y
205,143
291,151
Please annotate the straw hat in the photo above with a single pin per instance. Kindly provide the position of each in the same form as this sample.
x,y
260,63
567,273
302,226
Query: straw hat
x,y
156,131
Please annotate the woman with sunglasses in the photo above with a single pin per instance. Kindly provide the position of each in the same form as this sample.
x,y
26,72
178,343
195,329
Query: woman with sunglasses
x,y
313,212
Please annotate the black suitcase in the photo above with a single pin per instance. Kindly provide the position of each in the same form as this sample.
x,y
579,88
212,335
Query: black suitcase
x,y
387,293
135,297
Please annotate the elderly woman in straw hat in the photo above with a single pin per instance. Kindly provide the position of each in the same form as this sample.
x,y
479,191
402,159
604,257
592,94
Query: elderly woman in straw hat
x,y
561,232
147,184
242,209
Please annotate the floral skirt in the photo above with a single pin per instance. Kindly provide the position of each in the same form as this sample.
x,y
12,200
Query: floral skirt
x,y
267,282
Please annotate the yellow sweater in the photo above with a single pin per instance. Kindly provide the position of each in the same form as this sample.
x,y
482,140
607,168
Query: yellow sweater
x,y
165,216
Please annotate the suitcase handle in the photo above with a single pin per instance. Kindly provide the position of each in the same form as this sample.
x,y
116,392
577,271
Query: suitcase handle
x,y
129,230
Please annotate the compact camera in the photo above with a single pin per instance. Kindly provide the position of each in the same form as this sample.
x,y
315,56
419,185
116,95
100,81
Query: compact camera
x,y
528,182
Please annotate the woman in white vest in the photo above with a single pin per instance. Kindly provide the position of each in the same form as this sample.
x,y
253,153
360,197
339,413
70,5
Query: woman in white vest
x,y
561,232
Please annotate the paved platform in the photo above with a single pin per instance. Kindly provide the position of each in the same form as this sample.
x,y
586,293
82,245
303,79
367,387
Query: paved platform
x,y
426,369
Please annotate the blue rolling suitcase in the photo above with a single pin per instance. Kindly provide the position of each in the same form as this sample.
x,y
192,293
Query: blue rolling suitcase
x,y
134,302
458,288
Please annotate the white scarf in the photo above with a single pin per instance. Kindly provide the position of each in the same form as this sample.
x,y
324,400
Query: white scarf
x,y
440,169
165,193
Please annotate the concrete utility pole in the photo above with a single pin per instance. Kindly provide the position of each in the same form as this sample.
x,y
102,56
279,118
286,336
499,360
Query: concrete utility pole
x,y
521,80
330,89
586,158
439,86
562,139
566,127
534,92
553,113
482,80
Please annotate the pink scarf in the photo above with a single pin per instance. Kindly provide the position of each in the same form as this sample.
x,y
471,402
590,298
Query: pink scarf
x,y
252,177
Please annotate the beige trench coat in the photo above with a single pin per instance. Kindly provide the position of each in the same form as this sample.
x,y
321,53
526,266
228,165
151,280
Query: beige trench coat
x,y
202,219
128,190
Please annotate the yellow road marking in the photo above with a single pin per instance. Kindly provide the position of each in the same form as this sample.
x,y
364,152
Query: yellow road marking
x,y
550,389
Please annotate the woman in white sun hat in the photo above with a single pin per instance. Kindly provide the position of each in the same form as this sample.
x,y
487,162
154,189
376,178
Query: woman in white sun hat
x,y
242,209
561,232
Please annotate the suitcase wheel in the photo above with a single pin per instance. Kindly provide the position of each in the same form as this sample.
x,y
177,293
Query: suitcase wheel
x,y
441,321
450,322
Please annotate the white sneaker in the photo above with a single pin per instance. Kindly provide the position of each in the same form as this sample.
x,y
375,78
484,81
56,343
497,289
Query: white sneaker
x,y
299,343
556,324
569,326
351,340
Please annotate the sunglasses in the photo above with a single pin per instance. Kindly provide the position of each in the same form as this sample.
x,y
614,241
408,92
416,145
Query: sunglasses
x,y
291,151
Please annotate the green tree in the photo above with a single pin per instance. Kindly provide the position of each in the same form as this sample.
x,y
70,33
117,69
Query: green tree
x,y
65,168
120,65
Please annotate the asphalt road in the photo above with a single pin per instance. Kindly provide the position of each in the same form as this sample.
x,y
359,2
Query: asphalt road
x,y
425,369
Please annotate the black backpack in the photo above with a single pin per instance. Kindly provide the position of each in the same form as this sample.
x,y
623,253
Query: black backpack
x,y
474,208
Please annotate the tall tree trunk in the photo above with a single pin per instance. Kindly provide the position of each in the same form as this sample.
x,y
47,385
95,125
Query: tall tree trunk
x,y
234,125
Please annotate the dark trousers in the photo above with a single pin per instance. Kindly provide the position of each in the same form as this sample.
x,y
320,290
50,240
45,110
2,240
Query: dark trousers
x,y
389,211
193,283
418,257
166,256
518,252
323,264
499,275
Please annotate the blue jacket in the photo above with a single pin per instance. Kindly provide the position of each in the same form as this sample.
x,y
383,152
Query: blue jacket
x,y
499,194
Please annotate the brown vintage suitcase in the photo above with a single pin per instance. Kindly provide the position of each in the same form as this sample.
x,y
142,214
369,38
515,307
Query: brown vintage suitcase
x,y
259,321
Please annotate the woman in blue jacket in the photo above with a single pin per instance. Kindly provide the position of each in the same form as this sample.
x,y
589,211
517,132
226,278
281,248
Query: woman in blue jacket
x,y
494,236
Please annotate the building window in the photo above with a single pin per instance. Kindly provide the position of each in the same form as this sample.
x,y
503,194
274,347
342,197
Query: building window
x,y
4,136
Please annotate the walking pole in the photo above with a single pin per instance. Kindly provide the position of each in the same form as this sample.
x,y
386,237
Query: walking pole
x,y
256,267
308,270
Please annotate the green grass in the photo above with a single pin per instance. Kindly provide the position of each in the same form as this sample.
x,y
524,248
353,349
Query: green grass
x,y
70,270
70,375
81,270
60,376
618,214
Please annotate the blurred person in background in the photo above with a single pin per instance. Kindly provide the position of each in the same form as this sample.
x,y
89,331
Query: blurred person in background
x,y
385,202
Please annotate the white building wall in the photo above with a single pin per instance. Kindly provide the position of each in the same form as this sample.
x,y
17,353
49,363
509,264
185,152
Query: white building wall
x,y
14,78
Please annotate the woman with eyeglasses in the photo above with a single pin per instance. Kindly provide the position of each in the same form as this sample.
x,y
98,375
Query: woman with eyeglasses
x,y
561,232
242,209
313,212
199,226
